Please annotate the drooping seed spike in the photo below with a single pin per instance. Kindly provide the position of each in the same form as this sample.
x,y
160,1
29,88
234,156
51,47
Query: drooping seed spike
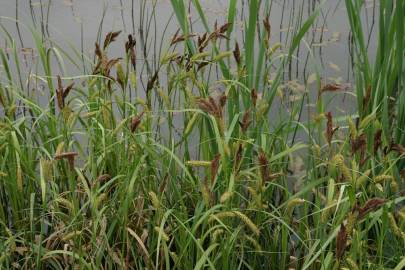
x,y
109,38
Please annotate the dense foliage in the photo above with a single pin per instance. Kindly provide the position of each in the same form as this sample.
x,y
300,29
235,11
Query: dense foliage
x,y
197,166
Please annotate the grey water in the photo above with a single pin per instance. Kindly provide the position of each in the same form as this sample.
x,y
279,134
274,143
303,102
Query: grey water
x,y
75,25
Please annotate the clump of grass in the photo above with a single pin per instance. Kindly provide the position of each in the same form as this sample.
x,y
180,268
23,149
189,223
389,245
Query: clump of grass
x,y
109,177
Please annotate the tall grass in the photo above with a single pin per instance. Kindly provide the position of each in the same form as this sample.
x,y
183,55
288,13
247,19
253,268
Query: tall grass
x,y
380,84
197,172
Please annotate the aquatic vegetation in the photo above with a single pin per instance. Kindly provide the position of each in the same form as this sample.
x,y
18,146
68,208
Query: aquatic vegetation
x,y
187,161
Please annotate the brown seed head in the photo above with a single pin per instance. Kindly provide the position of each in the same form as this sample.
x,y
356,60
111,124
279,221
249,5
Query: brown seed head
x,y
341,241
224,28
222,100
151,82
253,96
264,166
103,178
246,121
62,93
267,27
366,98
359,143
377,140
70,156
238,157
209,106
109,38
329,128
236,53
398,148
98,51
136,121
370,206
130,49
202,42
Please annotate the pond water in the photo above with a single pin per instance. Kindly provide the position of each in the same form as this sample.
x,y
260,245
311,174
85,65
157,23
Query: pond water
x,y
76,25
82,23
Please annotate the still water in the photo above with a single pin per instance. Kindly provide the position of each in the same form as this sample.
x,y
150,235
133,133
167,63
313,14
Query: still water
x,y
76,25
